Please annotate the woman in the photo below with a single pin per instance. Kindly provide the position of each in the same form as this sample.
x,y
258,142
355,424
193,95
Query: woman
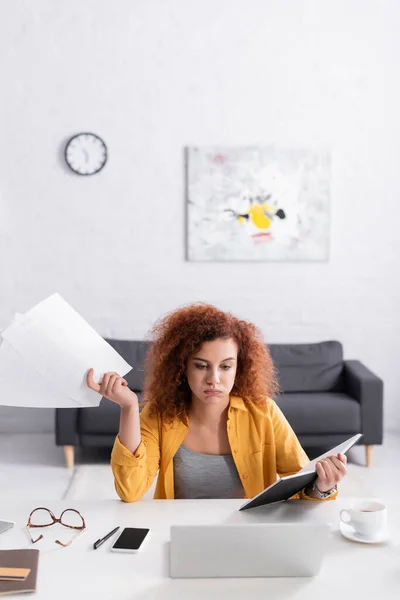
x,y
210,427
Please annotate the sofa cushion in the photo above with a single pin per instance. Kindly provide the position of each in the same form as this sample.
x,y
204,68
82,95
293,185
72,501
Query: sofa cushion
x,y
308,367
134,352
321,413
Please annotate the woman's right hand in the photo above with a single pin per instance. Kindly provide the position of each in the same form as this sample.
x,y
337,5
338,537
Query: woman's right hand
x,y
115,388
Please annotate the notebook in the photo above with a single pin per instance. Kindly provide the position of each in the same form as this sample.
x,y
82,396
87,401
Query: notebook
x,y
18,560
288,486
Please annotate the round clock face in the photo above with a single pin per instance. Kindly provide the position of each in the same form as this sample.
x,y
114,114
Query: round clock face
x,y
86,154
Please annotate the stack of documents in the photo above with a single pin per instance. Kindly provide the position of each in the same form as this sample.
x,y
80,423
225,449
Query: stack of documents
x,y
45,355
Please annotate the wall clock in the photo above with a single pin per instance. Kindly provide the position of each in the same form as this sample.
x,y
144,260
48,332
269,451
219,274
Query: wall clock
x,y
85,153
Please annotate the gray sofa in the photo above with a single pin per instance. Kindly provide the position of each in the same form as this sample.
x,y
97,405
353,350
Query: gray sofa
x,y
325,398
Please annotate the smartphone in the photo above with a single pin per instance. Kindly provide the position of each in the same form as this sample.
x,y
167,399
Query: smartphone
x,y
4,525
130,540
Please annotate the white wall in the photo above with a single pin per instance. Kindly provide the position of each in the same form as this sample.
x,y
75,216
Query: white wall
x,y
153,76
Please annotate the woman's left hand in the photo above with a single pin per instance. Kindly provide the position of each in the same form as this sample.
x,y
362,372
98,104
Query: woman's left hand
x,y
330,471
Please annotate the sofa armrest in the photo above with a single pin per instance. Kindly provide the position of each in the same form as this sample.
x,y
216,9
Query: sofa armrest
x,y
67,427
367,389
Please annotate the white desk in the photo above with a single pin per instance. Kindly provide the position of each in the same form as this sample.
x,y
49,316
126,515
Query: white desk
x,y
79,572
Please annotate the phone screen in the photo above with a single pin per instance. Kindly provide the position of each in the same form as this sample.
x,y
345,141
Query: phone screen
x,y
131,538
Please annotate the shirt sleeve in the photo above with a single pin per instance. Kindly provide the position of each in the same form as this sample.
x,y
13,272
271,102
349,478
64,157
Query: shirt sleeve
x,y
135,472
290,456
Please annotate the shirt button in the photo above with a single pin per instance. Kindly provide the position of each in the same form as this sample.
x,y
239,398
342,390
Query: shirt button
x,y
245,475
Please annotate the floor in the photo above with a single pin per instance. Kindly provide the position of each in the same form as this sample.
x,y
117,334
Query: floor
x,y
31,466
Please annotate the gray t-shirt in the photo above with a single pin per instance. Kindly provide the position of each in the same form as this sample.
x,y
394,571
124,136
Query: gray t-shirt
x,y
198,475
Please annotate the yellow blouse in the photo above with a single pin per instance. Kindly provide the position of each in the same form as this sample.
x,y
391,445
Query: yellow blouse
x,y
262,442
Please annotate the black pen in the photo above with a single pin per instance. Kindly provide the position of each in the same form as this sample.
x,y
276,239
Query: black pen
x,y
102,540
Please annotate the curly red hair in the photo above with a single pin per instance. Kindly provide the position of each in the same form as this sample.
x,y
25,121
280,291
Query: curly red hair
x,y
182,332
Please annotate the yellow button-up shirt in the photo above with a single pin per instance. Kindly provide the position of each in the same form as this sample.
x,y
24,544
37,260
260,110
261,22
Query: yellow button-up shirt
x,y
262,442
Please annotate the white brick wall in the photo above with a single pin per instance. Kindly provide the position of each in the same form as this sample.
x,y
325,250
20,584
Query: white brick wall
x,y
153,76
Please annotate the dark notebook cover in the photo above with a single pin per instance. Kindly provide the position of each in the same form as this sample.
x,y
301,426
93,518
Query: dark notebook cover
x,y
283,489
27,559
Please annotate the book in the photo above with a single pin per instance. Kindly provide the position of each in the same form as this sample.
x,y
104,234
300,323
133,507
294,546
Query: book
x,y
288,486
13,563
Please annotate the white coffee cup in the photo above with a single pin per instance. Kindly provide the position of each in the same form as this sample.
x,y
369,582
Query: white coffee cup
x,y
368,518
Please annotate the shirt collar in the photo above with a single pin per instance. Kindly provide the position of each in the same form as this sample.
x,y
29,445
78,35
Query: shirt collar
x,y
237,402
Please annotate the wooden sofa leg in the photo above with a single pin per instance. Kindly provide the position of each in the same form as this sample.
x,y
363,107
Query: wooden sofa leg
x,y
69,456
368,455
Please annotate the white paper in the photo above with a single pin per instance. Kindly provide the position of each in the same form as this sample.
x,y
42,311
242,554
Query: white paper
x,y
54,341
21,385
342,448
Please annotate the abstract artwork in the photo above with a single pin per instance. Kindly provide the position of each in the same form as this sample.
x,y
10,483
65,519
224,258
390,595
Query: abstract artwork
x,y
257,204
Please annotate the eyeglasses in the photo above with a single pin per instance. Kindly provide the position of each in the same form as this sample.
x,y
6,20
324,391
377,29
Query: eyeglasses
x,y
44,517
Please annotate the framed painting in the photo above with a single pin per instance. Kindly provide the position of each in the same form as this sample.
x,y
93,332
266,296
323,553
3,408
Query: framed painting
x,y
257,204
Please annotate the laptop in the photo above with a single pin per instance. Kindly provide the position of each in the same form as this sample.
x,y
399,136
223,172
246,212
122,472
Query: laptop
x,y
248,550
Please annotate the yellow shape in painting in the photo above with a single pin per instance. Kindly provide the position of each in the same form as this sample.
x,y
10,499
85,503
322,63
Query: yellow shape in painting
x,y
258,216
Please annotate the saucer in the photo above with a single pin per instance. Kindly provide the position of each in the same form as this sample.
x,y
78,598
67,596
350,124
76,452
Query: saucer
x,y
350,533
